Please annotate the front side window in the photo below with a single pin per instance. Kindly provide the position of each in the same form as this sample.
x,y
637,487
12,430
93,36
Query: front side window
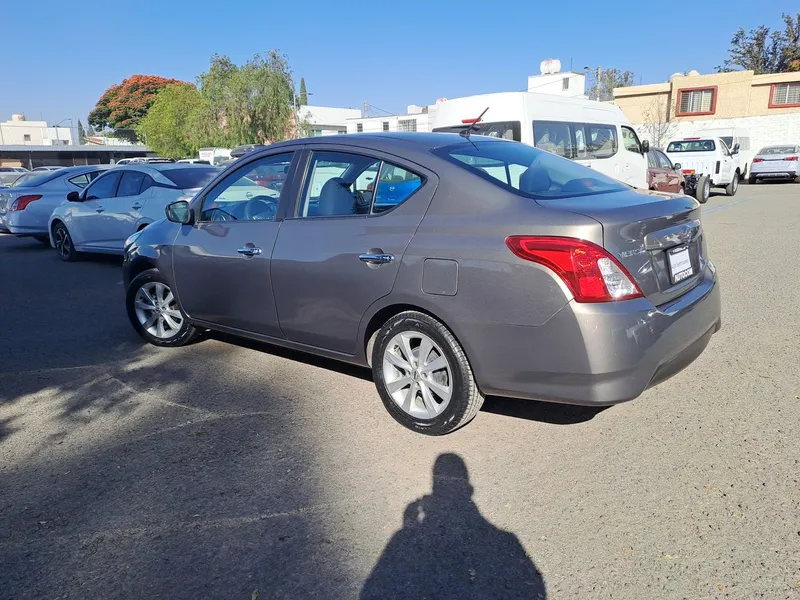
x,y
250,193
130,183
697,102
663,161
652,160
630,140
103,187
528,171
785,94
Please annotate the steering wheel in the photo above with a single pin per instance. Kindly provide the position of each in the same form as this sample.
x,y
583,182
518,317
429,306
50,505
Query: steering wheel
x,y
260,207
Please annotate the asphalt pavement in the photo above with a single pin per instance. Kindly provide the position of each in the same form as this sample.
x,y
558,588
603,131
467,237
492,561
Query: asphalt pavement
x,y
240,471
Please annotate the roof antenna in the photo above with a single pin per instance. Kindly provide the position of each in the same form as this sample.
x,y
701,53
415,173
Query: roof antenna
x,y
472,126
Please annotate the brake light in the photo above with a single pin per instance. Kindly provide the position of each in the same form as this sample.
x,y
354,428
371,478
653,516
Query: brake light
x,y
688,171
470,121
755,160
23,201
591,273
790,158
687,139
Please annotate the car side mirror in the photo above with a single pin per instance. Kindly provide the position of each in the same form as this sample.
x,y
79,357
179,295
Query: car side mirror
x,y
179,212
677,166
74,197
645,147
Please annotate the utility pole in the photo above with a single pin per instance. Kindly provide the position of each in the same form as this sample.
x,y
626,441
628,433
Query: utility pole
x,y
598,73
366,109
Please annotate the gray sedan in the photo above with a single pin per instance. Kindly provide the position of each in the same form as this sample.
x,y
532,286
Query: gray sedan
x,y
776,162
26,207
453,267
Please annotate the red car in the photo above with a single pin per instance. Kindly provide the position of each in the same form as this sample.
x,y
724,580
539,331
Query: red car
x,y
662,175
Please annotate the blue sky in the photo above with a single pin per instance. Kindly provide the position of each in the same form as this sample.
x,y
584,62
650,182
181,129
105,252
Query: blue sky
x,y
61,56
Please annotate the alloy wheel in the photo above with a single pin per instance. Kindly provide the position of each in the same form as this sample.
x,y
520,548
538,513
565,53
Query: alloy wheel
x,y
417,374
157,310
62,241
707,189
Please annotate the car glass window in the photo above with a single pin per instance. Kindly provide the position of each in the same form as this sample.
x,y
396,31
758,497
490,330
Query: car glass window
x,y
778,150
663,161
580,143
81,180
130,183
692,146
630,140
553,137
395,185
103,187
602,140
147,183
652,161
250,193
338,185
190,177
542,174
508,130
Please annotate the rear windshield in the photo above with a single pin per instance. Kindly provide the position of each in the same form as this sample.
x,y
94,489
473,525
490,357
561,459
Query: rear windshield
x,y
778,150
36,180
528,171
692,146
507,130
193,177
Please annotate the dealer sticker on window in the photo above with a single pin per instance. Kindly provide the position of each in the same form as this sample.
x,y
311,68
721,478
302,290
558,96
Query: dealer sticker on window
x,y
680,265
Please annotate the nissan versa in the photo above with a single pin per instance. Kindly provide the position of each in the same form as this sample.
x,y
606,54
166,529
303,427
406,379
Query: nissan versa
x,y
454,266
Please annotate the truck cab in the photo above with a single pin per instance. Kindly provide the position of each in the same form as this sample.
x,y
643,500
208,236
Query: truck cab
x,y
706,162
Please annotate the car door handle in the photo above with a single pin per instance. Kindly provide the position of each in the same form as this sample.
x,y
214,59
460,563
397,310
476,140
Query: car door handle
x,y
99,209
248,251
137,206
378,258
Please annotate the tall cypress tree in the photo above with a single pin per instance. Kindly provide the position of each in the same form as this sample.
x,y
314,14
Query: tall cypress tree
x,y
303,98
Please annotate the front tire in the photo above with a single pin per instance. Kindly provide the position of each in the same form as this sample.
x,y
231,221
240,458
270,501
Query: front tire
x,y
63,242
703,191
733,186
423,376
154,311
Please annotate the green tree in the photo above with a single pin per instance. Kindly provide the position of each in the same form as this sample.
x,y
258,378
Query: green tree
x,y
765,51
609,79
81,133
170,127
303,99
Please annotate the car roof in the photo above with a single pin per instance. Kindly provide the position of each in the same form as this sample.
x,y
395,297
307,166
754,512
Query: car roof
x,y
394,140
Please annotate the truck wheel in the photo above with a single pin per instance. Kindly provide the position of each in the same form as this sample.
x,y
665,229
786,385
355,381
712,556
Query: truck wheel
x,y
731,188
703,190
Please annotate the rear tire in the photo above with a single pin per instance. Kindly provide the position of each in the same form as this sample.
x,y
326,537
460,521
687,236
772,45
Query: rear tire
x,y
155,313
426,399
703,191
751,180
733,186
63,242
797,179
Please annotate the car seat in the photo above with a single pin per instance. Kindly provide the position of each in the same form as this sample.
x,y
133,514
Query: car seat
x,y
535,179
335,198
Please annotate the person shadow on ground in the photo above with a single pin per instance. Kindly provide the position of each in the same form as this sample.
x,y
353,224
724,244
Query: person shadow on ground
x,y
448,550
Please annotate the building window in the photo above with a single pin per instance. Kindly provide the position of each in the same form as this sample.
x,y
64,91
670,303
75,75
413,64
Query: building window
x,y
407,125
386,125
26,137
697,101
359,127
785,95
565,84
316,132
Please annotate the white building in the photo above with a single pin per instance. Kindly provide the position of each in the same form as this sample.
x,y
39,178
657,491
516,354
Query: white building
x,y
417,118
325,120
572,85
20,132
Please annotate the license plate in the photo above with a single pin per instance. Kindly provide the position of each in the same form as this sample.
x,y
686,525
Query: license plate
x,y
680,264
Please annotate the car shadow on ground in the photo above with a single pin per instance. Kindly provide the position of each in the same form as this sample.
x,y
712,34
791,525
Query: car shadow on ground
x,y
448,549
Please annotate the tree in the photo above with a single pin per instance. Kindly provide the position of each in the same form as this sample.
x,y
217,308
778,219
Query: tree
x,y
765,51
609,79
656,126
122,106
170,126
303,99
81,133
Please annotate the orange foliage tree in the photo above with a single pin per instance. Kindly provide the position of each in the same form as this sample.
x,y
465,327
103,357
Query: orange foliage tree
x,y
123,105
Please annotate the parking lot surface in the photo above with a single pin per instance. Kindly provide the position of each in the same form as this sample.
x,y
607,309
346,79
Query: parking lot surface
x,y
242,471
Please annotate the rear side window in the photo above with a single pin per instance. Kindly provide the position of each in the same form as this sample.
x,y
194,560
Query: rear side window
x,y
190,177
84,179
394,185
130,183
147,183
528,171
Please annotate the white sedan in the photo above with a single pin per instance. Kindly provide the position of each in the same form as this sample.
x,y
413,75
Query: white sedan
x,y
119,203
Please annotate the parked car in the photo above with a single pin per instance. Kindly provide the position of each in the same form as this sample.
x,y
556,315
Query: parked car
x,y
193,161
240,151
775,162
505,270
9,175
733,136
662,175
706,163
595,134
25,209
26,177
53,168
118,203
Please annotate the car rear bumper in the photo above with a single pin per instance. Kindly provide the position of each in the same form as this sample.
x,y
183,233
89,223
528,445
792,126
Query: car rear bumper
x,y
21,222
596,354
776,174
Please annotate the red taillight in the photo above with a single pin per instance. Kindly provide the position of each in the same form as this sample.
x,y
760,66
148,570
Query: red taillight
x,y
23,201
470,121
755,160
790,158
591,273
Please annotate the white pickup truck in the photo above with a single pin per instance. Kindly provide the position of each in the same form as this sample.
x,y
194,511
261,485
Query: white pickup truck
x,y
706,162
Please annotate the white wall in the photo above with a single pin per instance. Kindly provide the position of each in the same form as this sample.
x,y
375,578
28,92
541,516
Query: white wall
x,y
373,124
327,120
14,132
554,84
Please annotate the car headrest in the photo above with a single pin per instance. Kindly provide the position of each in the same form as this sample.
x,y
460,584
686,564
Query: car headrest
x,y
534,179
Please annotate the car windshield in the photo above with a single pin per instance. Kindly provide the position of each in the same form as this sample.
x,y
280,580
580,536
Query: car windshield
x,y
193,177
692,146
528,171
778,150
36,179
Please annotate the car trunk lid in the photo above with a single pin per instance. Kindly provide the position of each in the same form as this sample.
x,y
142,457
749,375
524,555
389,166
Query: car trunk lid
x,y
656,237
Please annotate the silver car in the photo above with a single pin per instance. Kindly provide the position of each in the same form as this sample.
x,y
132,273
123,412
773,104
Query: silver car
x,y
26,207
453,267
776,162
9,175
